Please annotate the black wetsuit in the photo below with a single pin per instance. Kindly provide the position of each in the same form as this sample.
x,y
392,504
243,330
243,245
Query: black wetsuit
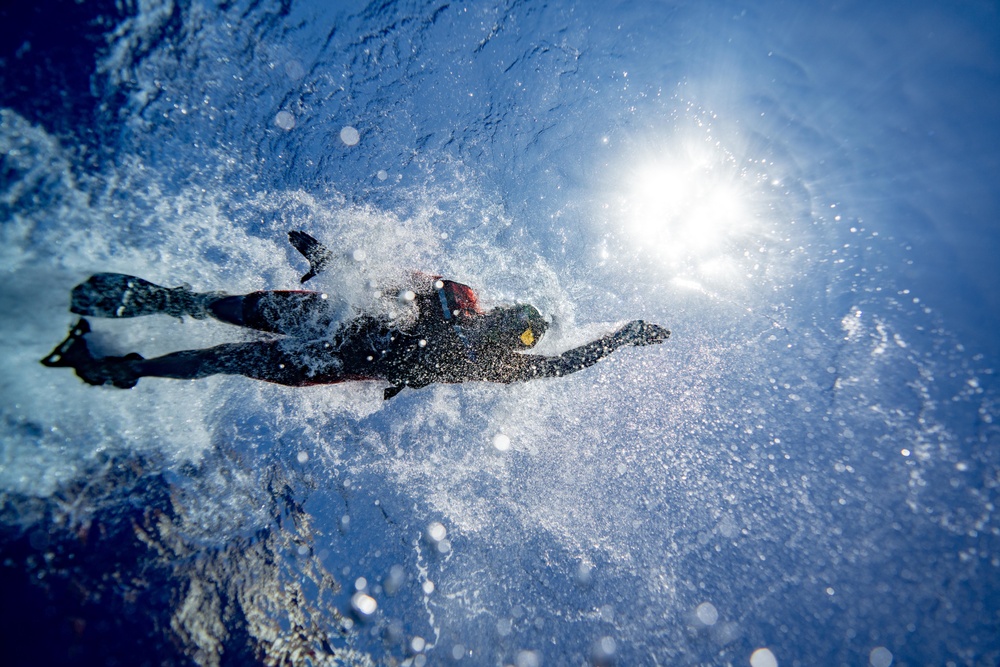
x,y
431,349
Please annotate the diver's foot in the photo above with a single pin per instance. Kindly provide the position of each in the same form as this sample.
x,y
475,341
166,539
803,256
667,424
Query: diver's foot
x,y
117,295
111,371
73,350
73,353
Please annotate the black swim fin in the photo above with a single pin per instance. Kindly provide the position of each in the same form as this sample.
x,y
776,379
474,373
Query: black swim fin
x,y
315,252
74,353
117,295
71,351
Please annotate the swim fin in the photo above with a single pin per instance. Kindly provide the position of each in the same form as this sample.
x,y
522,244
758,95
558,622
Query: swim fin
x,y
315,252
74,353
117,295
71,351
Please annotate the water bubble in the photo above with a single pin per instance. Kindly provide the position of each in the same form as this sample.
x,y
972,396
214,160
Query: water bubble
x,y
360,584
504,626
528,659
436,532
458,651
294,70
302,457
602,653
707,613
345,522
363,605
428,587
382,174
444,546
406,296
418,644
285,120
501,442
763,657
394,580
880,657
350,136
394,632
584,574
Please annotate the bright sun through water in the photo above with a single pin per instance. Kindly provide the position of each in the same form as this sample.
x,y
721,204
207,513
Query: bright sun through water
x,y
702,214
688,205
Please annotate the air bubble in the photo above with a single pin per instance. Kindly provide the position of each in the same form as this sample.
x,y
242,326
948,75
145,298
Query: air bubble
x,y
285,120
363,605
880,657
707,613
501,442
350,136
763,657
602,653
436,532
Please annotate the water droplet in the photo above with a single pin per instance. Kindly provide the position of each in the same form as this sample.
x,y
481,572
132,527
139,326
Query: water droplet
x,y
763,657
602,653
880,657
350,136
363,605
394,580
528,659
707,613
501,442
436,532
285,120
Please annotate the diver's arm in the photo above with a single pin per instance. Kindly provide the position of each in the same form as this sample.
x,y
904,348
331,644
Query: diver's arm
x,y
531,366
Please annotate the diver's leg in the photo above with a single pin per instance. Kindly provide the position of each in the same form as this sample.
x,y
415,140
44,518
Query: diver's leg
x,y
117,295
296,313
264,360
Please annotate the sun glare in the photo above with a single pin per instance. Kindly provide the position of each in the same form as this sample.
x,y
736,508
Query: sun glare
x,y
687,205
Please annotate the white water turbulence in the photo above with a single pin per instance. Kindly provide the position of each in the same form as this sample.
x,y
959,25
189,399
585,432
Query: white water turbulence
x,y
806,472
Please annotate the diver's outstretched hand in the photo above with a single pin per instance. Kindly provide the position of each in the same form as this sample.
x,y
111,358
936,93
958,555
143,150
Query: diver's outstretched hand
x,y
315,252
638,332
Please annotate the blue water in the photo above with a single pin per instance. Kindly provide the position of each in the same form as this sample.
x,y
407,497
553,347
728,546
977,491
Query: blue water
x,y
806,473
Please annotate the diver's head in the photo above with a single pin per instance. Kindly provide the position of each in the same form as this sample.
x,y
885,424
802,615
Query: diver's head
x,y
518,327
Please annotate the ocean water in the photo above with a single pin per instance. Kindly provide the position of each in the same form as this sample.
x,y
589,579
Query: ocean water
x,y
806,473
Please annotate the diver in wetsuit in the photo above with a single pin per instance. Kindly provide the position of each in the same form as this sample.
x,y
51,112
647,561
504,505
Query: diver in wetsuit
x,y
450,339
